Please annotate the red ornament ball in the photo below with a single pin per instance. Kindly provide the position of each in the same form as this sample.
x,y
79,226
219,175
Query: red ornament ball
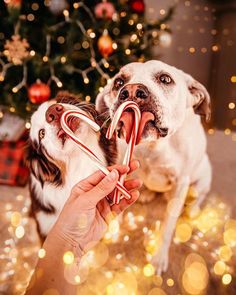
x,y
14,3
137,6
104,10
39,92
105,45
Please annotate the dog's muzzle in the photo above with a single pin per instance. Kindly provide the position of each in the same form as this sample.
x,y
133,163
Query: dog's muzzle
x,y
135,92
140,94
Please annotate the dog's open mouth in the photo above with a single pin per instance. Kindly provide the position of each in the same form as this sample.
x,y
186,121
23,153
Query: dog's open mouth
x,y
73,124
147,125
126,124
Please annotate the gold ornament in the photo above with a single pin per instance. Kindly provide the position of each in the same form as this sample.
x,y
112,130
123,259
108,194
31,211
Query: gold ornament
x,y
16,50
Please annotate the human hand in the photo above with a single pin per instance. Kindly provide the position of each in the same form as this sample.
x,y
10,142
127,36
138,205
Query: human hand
x,y
87,212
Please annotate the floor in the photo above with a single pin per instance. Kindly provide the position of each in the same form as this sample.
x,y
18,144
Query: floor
x,y
120,263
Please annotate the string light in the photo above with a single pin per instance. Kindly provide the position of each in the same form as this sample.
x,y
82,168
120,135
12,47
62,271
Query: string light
x,y
32,53
219,268
233,79
170,282
148,270
127,51
226,279
192,49
68,257
19,232
231,105
162,12
63,59
41,253
215,48
45,58
76,5
211,131
227,131
85,77
27,125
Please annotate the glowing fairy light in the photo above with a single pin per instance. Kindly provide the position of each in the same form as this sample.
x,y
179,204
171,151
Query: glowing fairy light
x,y
16,219
68,257
183,232
231,105
170,282
233,79
20,232
226,279
225,253
77,279
63,59
230,237
195,278
148,270
45,58
219,268
41,253
27,125
114,227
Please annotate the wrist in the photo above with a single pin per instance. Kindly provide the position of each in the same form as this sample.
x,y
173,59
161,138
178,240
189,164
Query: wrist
x,y
57,241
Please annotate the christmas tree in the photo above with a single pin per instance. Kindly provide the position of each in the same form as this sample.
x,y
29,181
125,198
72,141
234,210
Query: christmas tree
x,y
47,45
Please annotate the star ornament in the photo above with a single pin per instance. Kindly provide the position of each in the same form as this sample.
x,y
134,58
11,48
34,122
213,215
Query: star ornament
x,y
16,49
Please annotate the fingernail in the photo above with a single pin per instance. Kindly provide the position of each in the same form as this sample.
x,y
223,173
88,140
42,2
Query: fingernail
x,y
113,175
138,164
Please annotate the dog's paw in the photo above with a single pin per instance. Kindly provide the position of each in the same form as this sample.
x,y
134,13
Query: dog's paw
x,y
146,196
160,261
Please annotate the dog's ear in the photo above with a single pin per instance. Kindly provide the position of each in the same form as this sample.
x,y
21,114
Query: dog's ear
x,y
100,103
40,166
198,98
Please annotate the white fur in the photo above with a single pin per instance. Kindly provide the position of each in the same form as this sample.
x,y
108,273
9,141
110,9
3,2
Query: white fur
x,y
172,163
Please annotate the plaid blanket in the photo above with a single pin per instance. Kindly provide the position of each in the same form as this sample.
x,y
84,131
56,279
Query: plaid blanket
x,y
12,167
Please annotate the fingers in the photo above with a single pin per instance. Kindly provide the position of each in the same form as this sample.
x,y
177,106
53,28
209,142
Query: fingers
x,y
103,188
133,184
134,165
88,183
124,204
122,169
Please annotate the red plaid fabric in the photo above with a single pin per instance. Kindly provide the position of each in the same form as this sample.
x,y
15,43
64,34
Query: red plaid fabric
x,y
12,167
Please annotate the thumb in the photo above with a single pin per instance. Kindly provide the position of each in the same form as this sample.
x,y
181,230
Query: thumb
x,y
104,187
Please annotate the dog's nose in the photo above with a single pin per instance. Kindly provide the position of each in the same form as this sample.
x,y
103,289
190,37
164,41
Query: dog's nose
x,y
135,92
54,113
163,131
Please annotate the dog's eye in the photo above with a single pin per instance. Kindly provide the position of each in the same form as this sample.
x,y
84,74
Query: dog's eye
x,y
41,134
165,79
118,83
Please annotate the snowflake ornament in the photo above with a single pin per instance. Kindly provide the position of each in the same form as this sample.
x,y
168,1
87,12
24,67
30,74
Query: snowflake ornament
x,y
16,50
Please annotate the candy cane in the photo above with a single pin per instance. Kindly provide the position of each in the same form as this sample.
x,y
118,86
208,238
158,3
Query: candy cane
x,y
128,154
83,116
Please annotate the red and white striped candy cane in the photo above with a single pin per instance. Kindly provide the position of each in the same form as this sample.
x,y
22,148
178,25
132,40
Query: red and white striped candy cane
x,y
128,154
83,116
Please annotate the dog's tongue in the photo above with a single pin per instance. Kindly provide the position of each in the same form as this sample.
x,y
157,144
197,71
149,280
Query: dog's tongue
x,y
127,118
146,117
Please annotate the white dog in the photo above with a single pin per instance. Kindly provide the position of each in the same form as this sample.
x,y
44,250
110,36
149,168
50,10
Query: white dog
x,y
172,148
56,163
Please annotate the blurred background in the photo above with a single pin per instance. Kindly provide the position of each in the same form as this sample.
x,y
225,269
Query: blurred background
x,y
58,45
